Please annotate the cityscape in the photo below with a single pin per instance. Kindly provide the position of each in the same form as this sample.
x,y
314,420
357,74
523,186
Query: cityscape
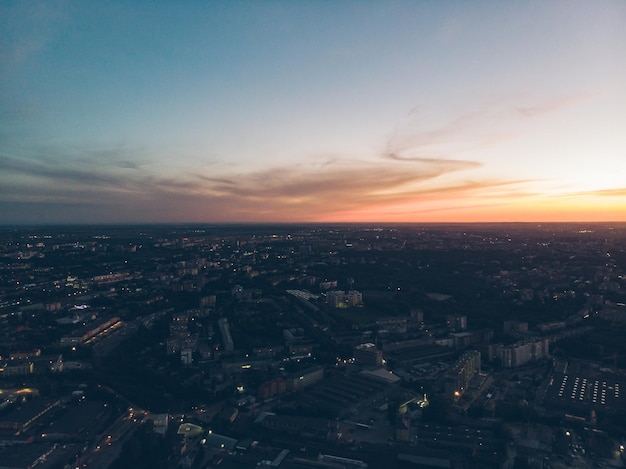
x,y
312,234
295,346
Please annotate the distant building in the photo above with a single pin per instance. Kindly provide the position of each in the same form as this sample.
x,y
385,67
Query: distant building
x,y
456,323
551,326
354,298
172,345
217,441
109,279
161,422
305,378
463,339
341,299
227,340
410,355
189,430
480,338
273,388
20,420
186,356
25,355
520,353
513,327
368,355
459,376
207,301
304,427
237,292
180,337
381,375
85,334
16,368
527,294
336,299
417,315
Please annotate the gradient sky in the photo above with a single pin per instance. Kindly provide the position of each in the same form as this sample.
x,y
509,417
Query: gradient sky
x,y
291,111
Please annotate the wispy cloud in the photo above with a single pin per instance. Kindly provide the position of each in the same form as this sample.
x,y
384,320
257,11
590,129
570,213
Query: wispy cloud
x,y
419,169
293,192
66,175
497,121
298,193
555,104
617,192
443,163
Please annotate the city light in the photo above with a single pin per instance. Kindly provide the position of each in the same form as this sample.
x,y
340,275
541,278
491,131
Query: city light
x,y
293,389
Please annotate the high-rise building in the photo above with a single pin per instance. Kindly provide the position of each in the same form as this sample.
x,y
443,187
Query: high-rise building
x,y
227,340
459,376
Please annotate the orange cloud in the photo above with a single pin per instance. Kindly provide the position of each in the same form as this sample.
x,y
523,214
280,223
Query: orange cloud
x,y
618,192
408,182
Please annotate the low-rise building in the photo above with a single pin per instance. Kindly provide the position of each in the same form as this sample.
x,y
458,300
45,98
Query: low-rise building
x,y
368,355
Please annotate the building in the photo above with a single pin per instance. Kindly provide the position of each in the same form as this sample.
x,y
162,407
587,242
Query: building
x,y
327,285
520,353
305,378
21,419
354,298
88,332
336,299
341,299
456,323
459,376
16,368
227,340
515,327
179,325
272,388
180,337
186,356
368,355
417,315
303,427
409,354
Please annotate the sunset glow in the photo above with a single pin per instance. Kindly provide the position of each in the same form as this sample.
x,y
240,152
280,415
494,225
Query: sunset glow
x,y
225,112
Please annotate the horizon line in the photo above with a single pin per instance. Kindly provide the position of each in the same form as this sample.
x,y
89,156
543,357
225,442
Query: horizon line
x,y
308,223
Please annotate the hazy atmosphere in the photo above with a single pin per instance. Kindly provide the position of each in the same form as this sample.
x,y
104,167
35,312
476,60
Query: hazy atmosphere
x,y
117,112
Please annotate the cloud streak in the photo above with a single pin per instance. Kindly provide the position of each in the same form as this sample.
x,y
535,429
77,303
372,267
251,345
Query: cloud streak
x,y
292,192
616,192
555,104
408,177
495,122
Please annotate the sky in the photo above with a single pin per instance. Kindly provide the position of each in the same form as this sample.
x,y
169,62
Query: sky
x,y
312,111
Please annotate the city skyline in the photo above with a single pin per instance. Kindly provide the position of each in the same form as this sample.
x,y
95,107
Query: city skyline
x,y
277,112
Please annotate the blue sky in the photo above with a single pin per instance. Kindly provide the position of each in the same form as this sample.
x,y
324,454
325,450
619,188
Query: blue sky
x,y
312,111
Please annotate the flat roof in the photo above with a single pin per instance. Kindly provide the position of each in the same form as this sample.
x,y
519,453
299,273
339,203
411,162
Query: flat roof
x,y
382,375
587,389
